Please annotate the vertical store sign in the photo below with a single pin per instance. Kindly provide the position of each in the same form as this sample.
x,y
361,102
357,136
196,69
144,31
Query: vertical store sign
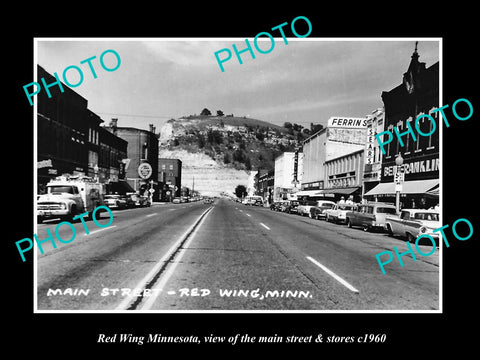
x,y
369,144
295,168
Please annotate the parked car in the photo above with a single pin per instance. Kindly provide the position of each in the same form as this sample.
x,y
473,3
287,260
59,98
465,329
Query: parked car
x,y
253,200
370,216
318,211
412,223
176,200
305,206
290,206
338,212
139,200
115,201
275,206
128,200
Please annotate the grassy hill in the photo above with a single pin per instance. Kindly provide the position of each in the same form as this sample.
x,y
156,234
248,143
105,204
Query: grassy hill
x,y
239,142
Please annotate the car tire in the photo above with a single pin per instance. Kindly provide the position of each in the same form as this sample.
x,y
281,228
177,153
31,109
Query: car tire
x,y
39,219
349,223
389,230
410,238
73,213
365,228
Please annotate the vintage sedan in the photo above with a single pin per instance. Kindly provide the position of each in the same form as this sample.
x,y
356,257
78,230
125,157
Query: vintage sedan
x,y
275,206
370,216
338,212
139,200
318,211
412,223
115,201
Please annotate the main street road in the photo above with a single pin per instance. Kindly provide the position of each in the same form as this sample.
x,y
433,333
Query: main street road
x,y
228,256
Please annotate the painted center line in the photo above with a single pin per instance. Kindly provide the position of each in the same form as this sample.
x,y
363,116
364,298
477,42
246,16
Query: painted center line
x,y
95,231
332,274
151,215
265,226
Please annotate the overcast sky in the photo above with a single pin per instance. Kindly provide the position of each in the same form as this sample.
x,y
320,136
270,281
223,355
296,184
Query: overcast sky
x,y
308,80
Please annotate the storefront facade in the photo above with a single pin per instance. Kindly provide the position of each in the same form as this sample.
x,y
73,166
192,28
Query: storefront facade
x,y
418,94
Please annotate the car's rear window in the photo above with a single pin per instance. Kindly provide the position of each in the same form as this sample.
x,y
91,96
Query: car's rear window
x,y
327,205
427,216
386,210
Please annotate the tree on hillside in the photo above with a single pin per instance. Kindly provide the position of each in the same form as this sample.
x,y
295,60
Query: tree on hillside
x,y
287,125
205,111
248,164
240,191
315,127
219,113
297,127
200,141
226,158
238,155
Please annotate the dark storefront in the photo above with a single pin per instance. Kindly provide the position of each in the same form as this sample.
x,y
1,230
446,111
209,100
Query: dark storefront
x,y
418,94
71,141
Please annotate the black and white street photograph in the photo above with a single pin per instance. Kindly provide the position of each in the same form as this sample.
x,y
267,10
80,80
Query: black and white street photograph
x,y
281,182
280,173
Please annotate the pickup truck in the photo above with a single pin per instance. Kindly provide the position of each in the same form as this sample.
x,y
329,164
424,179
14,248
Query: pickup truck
x,y
412,223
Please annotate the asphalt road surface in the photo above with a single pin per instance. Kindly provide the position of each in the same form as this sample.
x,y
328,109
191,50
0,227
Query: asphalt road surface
x,y
227,256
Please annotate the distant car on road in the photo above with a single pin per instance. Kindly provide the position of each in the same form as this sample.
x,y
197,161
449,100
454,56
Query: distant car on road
x,y
115,201
370,216
318,211
338,212
412,223
176,200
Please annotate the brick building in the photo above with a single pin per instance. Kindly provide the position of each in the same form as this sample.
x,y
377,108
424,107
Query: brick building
x,y
417,94
170,178
142,148
70,140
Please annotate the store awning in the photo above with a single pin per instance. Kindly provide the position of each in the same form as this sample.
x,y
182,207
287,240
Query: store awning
x,y
308,193
121,187
409,187
343,191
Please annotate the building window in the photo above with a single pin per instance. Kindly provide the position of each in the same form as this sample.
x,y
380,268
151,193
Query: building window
x,y
171,167
164,167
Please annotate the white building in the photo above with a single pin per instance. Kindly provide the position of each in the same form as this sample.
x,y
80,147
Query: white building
x,y
341,137
288,175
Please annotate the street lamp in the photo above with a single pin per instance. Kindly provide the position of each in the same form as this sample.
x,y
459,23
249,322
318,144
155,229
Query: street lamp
x,y
398,181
